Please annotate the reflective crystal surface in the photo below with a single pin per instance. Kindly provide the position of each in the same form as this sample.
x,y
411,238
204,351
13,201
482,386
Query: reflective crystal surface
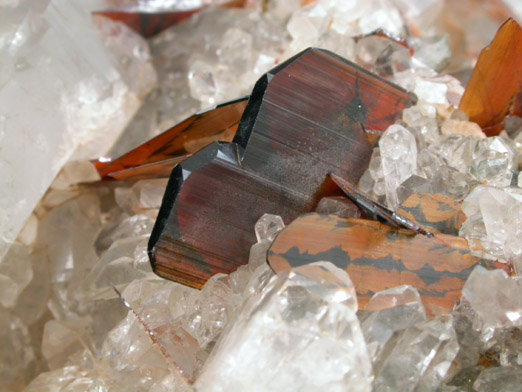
x,y
191,241
399,160
304,321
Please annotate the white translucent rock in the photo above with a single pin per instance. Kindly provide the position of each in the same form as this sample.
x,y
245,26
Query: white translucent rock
x,y
428,163
494,218
16,353
382,15
498,306
505,379
427,126
433,52
16,271
418,357
457,151
75,172
308,23
117,267
431,92
77,91
236,50
399,159
268,226
60,341
414,184
32,302
339,206
493,160
465,128
143,195
389,311
274,342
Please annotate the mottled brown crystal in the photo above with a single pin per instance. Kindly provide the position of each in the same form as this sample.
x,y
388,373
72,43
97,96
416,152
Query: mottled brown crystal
x,y
378,257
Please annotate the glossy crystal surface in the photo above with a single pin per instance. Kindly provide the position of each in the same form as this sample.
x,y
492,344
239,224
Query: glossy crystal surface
x,y
300,124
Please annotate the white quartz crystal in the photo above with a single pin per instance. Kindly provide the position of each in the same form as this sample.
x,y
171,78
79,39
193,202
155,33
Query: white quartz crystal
x,y
494,221
399,159
65,89
300,334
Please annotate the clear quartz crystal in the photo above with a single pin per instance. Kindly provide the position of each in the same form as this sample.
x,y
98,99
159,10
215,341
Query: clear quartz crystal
x,y
268,226
389,311
494,218
501,304
493,160
16,272
398,152
418,357
81,96
505,379
274,342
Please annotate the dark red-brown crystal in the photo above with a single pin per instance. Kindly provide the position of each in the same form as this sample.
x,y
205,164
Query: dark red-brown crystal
x,y
304,119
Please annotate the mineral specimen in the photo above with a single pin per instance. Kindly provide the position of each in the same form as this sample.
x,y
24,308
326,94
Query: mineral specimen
x,y
300,124
301,333
496,81
378,257
85,86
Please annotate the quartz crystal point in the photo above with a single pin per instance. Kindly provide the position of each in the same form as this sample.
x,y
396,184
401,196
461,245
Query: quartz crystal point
x,y
304,119
159,155
493,222
300,334
496,80
64,91
378,257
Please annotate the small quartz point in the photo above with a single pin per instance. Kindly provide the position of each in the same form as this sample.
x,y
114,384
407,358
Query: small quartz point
x,y
301,333
498,306
494,159
494,221
398,152
16,272
389,311
266,229
505,379
339,206
417,358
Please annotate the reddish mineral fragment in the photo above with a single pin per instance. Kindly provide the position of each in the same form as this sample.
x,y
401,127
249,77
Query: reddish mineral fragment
x,y
496,81
304,119
378,257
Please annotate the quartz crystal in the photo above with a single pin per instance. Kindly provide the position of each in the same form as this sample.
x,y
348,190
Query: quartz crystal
x,y
501,304
399,160
16,272
418,357
494,218
505,379
301,333
493,160
80,92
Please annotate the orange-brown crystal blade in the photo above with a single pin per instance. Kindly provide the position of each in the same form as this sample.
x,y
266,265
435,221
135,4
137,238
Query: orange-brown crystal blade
x,y
378,257
182,140
150,170
496,80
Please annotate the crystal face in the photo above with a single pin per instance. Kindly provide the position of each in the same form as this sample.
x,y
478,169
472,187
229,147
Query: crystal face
x,y
492,89
378,257
300,333
206,220
159,155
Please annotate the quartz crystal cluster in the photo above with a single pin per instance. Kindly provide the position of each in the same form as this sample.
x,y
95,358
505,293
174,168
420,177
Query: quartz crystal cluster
x,y
83,79
69,85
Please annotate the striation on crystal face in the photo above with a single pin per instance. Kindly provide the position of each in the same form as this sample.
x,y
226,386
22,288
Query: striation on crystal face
x,y
300,333
378,257
299,125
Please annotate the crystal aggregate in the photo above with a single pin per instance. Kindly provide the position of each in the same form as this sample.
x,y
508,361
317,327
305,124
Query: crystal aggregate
x,y
64,328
